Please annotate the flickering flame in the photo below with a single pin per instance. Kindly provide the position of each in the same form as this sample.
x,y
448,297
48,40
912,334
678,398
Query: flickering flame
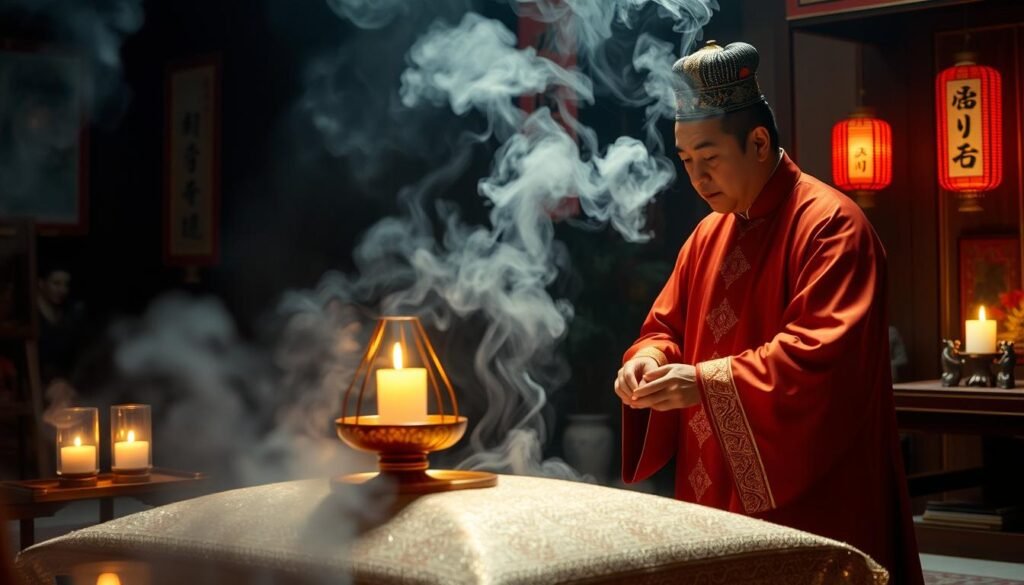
x,y
131,436
981,313
396,356
108,579
78,441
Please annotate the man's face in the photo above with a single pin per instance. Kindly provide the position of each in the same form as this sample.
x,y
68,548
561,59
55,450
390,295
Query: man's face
x,y
722,173
55,287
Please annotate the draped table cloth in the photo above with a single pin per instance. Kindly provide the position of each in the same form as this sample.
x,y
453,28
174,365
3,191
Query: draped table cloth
x,y
527,530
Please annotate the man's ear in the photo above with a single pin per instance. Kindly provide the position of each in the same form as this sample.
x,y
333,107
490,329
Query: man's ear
x,y
761,142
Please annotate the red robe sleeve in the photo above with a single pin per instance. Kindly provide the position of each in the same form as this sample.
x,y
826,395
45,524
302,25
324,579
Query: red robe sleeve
x,y
808,388
649,437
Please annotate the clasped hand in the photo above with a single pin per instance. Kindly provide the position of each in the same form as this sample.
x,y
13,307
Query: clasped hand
x,y
642,383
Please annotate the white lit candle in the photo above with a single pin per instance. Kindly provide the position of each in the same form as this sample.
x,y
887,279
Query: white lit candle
x,y
78,459
401,392
108,579
131,454
981,334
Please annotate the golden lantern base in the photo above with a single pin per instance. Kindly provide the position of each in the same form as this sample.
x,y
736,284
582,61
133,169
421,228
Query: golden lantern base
x,y
402,454
77,480
969,201
420,482
866,199
131,475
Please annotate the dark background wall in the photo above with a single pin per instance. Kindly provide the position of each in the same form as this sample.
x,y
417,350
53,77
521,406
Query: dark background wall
x,y
290,211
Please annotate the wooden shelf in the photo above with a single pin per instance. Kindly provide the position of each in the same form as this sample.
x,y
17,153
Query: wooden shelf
x,y
964,542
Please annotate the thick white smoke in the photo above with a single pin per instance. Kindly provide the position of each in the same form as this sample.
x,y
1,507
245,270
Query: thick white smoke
x,y
494,279
220,403
475,65
371,14
481,290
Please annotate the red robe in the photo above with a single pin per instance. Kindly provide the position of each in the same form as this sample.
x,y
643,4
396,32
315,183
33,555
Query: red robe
x,y
784,316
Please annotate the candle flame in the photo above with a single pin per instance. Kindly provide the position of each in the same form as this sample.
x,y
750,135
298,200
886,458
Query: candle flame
x,y
108,579
131,436
78,441
981,313
396,356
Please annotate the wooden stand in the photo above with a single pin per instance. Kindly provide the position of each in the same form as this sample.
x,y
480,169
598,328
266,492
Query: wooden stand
x,y
37,498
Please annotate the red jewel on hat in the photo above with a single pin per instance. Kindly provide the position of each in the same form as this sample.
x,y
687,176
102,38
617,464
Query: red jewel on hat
x,y
744,72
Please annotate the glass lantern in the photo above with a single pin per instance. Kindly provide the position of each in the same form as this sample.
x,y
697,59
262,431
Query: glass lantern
x,y
131,441
78,442
402,374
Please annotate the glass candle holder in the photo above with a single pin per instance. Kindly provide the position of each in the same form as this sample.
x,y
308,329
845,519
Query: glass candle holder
x,y
78,442
131,441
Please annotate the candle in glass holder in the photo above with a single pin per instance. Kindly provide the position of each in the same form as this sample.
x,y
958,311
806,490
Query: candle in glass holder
x,y
78,438
131,437
78,458
980,334
401,392
131,454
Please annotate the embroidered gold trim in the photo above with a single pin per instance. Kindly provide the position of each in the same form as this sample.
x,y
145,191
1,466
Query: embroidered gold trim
x,y
735,436
721,320
734,266
653,352
700,481
700,426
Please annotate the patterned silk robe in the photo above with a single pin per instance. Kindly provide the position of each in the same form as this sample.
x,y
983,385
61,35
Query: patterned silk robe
x,y
783,313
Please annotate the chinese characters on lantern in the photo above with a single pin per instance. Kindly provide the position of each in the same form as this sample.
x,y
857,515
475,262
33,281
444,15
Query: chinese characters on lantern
x,y
964,132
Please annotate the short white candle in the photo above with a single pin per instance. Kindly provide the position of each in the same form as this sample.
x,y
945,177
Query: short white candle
x,y
108,579
981,334
78,458
131,454
401,392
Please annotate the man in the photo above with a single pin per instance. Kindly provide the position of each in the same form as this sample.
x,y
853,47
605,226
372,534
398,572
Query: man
x,y
58,325
763,365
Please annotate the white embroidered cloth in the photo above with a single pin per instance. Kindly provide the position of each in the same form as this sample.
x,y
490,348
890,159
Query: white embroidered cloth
x,y
524,531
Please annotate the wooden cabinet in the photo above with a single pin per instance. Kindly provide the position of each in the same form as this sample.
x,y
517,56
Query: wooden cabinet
x,y
996,415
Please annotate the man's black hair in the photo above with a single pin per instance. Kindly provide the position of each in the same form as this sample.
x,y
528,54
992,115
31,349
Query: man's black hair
x,y
741,122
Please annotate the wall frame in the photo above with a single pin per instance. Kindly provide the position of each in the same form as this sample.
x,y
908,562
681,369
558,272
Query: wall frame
x,y
44,137
191,226
989,266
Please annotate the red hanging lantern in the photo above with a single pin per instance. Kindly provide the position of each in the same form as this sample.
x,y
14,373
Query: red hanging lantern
x,y
969,122
862,155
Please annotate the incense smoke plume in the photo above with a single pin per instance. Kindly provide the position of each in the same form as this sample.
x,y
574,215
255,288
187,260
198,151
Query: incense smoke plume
x,y
484,289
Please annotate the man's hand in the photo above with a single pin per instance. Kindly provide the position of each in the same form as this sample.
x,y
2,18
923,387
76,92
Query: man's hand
x,y
666,388
630,375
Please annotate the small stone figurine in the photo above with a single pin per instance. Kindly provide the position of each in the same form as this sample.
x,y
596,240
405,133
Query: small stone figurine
x,y
952,363
1004,379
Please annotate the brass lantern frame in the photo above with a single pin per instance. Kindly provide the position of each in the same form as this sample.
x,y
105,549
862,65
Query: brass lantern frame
x,y
402,448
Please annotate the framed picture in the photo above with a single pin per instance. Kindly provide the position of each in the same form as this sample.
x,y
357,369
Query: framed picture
x,y
43,138
17,280
192,163
989,267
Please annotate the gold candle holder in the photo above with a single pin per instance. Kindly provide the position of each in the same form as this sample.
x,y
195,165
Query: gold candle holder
x,y
403,432
131,442
78,442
